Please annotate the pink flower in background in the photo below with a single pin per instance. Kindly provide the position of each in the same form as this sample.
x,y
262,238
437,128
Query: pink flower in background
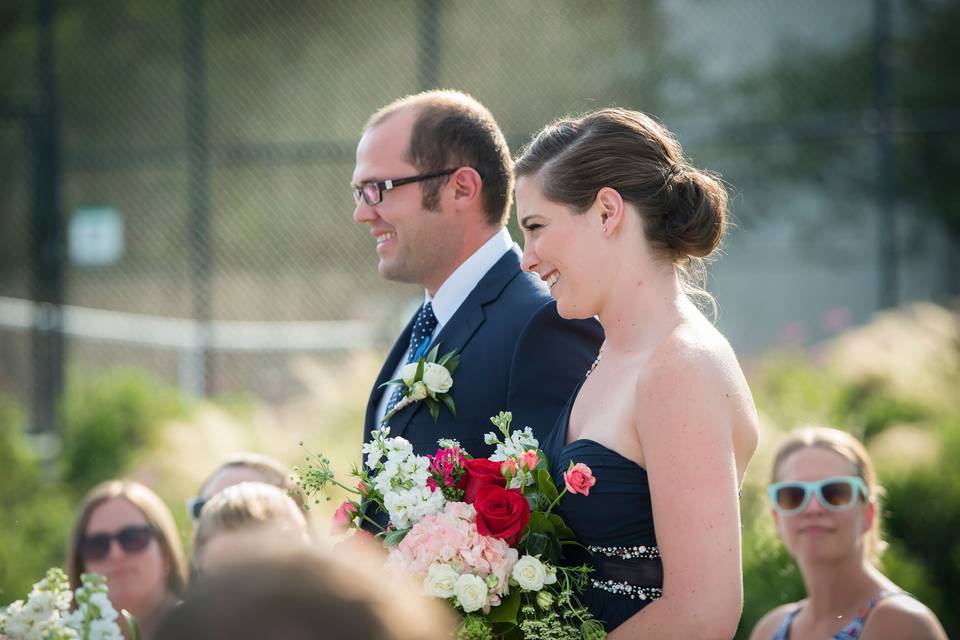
x,y
343,517
529,459
508,467
362,487
579,478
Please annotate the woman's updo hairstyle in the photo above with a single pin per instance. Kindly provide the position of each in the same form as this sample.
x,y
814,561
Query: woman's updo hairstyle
x,y
683,209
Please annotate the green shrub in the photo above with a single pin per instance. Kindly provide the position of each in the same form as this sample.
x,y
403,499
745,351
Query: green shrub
x,y
107,421
35,514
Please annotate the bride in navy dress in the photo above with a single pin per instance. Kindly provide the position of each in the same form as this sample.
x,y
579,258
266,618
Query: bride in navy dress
x,y
615,220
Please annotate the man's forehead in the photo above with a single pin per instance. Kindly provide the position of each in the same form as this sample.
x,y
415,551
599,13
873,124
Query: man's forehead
x,y
383,147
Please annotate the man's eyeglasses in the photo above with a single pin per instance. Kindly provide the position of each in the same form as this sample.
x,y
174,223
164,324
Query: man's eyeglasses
x,y
372,192
131,540
835,494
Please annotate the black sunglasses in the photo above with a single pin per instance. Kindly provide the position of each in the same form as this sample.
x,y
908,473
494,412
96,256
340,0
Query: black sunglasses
x,y
372,192
131,540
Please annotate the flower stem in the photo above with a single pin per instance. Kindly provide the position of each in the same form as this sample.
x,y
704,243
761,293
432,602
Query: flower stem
x,y
554,503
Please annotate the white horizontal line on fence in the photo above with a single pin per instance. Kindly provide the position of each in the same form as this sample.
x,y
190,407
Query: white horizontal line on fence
x,y
180,333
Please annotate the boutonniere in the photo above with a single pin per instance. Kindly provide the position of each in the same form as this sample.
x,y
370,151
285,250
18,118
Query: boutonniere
x,y
429,380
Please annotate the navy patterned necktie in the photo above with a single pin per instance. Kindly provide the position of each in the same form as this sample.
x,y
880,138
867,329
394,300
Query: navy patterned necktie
x,y
423,326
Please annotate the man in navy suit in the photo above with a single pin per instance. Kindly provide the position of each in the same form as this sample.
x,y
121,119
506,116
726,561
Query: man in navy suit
x,y
433,182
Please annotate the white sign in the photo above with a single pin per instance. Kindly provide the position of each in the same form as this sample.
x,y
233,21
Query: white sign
x,y
96,236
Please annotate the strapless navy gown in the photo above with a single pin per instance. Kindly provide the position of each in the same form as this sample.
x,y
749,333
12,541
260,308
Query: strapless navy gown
x,y
615,523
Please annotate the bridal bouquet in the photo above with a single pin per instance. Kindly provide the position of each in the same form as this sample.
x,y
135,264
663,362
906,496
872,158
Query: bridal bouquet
x,y
46,613
477,532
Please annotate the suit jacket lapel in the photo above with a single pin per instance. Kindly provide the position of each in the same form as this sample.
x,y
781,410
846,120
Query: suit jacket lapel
x,y
455,335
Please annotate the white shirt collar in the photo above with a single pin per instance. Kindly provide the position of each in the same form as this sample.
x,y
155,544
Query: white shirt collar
x,y
465,278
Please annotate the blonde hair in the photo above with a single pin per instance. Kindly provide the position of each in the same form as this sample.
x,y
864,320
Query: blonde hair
x,y
246,505
158,517
273,471
852,450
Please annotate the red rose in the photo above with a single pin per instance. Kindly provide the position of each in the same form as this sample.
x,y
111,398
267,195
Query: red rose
x,y
481,473
501,513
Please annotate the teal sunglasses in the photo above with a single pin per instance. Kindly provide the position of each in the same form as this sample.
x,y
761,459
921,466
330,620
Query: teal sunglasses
x,y
838,493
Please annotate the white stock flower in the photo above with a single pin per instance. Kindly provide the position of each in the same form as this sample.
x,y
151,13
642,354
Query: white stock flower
x,y
103,605
490,438
437,378
471,592
408,373
441,581
105,630
529,573
515,445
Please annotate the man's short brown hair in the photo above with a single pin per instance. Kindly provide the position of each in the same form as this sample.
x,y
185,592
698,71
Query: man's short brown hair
x,y
452,129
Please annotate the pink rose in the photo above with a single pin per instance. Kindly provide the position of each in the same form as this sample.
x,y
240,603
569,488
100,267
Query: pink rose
x,y
579,478
343,518
362,487
508,468
529,459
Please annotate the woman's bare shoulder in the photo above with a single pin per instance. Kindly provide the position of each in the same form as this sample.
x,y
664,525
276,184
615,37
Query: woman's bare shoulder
x,y
768,624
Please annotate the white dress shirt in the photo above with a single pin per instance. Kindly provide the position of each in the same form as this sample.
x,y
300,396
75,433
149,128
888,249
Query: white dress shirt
x,y
453,292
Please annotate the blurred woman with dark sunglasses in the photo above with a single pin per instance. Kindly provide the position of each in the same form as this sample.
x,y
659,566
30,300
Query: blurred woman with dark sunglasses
x,y
825,500
126,533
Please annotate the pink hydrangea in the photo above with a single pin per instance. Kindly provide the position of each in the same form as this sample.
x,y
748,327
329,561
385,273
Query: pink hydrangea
x,y
451,537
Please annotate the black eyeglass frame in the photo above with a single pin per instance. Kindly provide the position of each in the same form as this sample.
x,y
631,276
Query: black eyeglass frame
x,y
360,191
125,537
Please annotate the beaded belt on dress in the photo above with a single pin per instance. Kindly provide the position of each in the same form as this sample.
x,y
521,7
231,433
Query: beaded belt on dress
x,y
625,587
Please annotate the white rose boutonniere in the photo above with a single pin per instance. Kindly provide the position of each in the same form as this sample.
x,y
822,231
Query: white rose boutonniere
x,y
428,380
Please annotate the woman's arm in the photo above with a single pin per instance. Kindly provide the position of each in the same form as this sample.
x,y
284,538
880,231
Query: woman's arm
x,y
683,418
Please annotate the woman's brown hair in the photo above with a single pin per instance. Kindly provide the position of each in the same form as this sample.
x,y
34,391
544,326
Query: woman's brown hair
x,y
158,517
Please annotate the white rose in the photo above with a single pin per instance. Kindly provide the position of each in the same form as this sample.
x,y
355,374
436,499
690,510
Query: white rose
x,y
418,391
408,373
529,573
441,581
471,592
437,378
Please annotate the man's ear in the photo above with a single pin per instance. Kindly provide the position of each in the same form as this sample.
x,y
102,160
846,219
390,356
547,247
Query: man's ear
x,y
609,210
467,185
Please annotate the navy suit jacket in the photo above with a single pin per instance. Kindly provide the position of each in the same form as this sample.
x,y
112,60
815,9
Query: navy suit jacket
x,y
516,354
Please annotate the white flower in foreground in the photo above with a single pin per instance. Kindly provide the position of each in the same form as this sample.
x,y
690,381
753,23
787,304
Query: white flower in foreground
x,y
441,581
408,373
418,391
471,592
529,573
437,378
105,630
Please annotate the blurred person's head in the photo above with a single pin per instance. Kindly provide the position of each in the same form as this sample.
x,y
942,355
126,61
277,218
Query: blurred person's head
x,y
126,533
825,497
433,182
611,193
300,595
243,467
238,515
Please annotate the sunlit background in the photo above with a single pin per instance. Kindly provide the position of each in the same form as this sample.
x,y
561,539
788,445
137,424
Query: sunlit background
x,y
180,276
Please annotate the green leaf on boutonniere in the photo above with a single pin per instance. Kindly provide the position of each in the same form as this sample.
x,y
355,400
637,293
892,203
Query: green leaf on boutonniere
x,y
448,401
434,407
432,356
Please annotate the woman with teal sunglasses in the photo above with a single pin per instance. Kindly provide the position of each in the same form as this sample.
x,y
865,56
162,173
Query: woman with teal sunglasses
x,y
824,498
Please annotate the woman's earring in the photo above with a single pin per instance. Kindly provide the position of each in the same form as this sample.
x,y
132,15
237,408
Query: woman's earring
x,y
604,228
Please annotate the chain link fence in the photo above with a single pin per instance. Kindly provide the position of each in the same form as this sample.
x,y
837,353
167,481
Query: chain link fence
x,y
205,151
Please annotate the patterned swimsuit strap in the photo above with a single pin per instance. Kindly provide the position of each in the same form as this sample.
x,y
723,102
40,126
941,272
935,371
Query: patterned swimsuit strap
x,y
853,630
